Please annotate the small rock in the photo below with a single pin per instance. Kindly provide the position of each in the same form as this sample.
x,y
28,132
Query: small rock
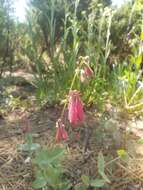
x,y
28,159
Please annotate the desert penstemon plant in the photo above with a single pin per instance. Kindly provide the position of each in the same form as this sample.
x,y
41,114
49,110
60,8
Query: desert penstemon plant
x,y
74,102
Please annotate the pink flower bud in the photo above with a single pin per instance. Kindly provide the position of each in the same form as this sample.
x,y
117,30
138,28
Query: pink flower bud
x,y
75,108
61,133
88,71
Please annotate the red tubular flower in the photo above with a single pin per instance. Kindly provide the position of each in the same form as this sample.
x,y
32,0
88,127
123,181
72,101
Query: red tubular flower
x,y
88,71
75,108
61,133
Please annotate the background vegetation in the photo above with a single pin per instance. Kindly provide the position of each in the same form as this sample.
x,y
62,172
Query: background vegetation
x,y
56,33
42,61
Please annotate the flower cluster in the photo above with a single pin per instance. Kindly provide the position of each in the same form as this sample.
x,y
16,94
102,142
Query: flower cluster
x,y
75,106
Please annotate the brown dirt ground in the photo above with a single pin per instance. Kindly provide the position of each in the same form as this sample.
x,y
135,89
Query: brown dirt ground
x,y
81,157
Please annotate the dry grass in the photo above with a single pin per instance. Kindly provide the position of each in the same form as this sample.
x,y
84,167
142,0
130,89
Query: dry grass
x,y
16,174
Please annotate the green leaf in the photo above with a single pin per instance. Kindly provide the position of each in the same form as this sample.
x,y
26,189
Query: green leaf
x,y
97,183
53,176
42,158
101,166
39,182
80,187
55,154
65,185
28,147
48,156
85,180
101,163
104,176
139,61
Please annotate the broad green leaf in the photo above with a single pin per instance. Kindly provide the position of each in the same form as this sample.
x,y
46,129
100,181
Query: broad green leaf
x,y
101,163
97,183
48,156
53,176
85,180
55,154
101,166
42,158
104,176
40,181
28,147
